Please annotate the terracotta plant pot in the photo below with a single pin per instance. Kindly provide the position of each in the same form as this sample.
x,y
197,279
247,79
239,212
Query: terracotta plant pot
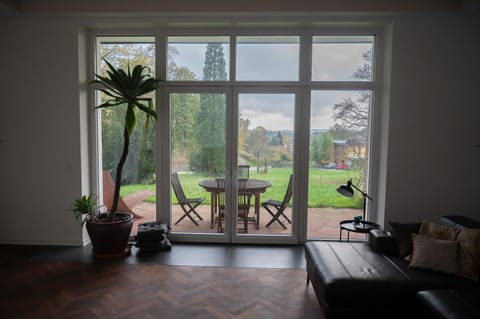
x,y
109,239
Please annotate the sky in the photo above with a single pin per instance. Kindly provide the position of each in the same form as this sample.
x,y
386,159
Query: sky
x,y
279,62
274,112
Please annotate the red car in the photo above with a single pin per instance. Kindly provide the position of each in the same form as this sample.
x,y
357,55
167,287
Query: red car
x,y
342,166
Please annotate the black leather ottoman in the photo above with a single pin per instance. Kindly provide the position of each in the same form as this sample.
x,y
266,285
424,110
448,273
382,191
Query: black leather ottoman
x,y
352,280
451,304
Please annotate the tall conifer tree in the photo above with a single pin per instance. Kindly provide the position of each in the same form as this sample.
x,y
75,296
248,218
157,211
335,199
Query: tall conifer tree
x,y
210,158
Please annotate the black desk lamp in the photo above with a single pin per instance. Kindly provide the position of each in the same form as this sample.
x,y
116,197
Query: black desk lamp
x,y
347,190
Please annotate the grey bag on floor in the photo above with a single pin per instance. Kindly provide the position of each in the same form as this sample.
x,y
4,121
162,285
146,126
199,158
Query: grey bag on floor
x,y
152,236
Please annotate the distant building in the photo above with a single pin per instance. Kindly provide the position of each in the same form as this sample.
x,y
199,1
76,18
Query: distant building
x,y
349,150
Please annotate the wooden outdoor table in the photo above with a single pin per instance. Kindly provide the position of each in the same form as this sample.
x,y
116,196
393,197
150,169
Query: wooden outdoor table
x,y
253,186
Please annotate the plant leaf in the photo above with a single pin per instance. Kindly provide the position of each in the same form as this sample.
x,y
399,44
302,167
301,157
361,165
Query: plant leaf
x,y
150,111
130,119
111,103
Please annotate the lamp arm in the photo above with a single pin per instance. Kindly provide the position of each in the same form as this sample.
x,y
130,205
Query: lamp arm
x,y
362,192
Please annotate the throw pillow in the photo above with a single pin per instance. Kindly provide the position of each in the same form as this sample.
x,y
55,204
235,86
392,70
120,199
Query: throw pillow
x,y
469,253
434,254
438,231
403,235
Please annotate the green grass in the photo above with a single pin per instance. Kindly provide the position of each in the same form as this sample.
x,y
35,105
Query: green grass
x,y
321,189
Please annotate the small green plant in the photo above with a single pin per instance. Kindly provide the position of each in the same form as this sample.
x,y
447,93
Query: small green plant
x,y
86,205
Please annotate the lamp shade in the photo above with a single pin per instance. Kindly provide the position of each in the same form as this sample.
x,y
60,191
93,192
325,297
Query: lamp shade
x,y
346,190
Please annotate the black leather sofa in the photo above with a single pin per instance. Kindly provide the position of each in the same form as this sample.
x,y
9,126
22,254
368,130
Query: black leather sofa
x,y
358,279
451,303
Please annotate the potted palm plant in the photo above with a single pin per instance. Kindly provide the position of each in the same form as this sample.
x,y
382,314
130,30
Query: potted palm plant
x,y
109,232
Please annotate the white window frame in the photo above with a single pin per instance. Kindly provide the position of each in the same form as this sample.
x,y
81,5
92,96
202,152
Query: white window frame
x,y
301,88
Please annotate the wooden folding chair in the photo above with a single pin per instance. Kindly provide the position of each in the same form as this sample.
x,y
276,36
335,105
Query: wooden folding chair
x,y
279,206
188,205
243,205
125,204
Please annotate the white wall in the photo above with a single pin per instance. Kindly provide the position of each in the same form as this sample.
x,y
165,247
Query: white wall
x,y
433,124
433,167
39,120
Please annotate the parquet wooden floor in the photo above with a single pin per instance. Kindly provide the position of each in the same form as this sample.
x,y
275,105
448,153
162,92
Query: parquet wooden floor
x,y
75,290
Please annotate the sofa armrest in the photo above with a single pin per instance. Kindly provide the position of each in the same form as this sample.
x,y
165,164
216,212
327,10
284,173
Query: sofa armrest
x,y
459,221
382,242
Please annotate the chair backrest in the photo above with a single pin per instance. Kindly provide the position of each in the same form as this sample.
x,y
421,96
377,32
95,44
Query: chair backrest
x,y
177,188
289,192
220,195
243,196
243,171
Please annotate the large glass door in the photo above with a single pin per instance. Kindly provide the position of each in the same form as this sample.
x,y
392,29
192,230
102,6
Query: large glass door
x,y
265,159
232,158
198,165
233,194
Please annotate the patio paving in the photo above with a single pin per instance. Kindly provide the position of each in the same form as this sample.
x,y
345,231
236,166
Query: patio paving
x,y
322,222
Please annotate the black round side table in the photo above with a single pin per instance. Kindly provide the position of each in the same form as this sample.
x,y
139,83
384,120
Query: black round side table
x,y
363,227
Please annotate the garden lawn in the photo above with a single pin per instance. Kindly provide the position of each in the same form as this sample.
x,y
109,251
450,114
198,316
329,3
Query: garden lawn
x,y
322,187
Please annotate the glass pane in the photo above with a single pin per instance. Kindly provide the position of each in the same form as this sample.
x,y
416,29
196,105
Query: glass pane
x,y
267,58
339,147
198,58
265,145
342,58
198,157
138,176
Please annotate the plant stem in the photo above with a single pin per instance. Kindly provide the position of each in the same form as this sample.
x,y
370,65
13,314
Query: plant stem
x,y
118,177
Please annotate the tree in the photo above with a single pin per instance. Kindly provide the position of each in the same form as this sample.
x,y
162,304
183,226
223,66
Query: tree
x,y
339,132
365,71
321,147
214,68
258,144
184,110
243,124
210,128
184,113
352,114
140,164
277,139
176,72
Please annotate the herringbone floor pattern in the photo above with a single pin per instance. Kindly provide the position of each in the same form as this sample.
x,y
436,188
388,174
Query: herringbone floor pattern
x,y
74,290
